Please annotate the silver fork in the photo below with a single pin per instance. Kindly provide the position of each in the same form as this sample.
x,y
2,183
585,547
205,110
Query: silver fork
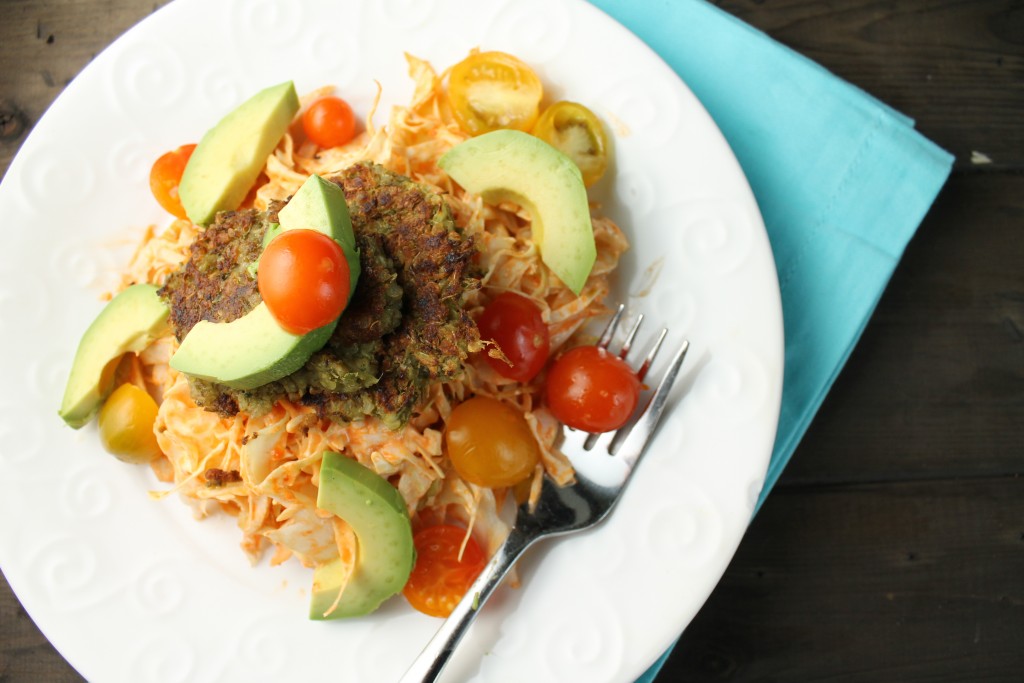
x,y
559,509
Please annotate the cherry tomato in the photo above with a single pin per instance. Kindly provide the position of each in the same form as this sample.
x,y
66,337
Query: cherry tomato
x,y
514,323
591,389
165,176
492,90
126,424
329,122
576,132
303,278
490,443
440,578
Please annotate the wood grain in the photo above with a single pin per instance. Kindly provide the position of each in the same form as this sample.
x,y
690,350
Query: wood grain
x,y
914,581
955,66
893,547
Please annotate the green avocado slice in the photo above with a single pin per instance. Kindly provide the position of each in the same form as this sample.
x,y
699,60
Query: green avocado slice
x,y
230,156
320,205
385,554
509,165
254,349
132,319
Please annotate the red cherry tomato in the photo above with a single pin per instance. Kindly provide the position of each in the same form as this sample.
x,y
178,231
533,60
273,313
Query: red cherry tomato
x,y
165,176
303,278
440,578
329,122
490,443
514,323
591,389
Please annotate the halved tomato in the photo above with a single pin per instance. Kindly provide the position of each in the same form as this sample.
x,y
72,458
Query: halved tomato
x,y
492,90
575,131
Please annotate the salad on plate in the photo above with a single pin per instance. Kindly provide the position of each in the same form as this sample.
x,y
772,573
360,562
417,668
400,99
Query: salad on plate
x,y
358,340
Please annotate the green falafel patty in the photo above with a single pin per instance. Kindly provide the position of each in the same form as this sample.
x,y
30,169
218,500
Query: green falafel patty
x,y
403,330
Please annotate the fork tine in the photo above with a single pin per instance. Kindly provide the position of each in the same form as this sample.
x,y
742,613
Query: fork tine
x,y
607,438
633,444
628,343
609,330
641,372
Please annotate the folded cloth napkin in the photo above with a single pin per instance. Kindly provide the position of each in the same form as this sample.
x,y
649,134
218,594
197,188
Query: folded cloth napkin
x,y
842,181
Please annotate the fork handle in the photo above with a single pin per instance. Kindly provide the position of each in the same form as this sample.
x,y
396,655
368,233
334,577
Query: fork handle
x,y
431,661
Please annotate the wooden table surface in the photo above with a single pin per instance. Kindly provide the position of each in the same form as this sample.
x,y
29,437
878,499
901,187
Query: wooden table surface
x,y
892,548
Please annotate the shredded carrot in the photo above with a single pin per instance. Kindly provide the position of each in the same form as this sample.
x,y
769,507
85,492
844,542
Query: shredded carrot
x,y
278,455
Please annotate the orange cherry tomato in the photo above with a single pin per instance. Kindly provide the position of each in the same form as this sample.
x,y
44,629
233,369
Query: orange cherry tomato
x,y
303,277
126,424
492,90
165,176
490,443
514,323
440,577
591,389
329,122
575,131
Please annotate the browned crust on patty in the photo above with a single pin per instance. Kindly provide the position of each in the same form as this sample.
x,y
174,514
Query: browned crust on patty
x,y
403,330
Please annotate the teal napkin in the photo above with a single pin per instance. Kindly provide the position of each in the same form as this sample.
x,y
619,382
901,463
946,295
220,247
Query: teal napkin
x,y
842,181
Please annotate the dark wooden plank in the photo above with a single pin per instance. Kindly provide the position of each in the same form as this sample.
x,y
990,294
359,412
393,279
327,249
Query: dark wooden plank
x,y
44,46
913,574
896,582
25,654
936,386
956,66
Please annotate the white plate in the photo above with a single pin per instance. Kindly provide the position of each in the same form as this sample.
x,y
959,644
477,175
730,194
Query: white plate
x,y
132,589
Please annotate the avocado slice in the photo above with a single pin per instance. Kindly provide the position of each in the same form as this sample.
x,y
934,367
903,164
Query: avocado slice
x,y
254,349
132,319
229,158
320,205
509,165
385,554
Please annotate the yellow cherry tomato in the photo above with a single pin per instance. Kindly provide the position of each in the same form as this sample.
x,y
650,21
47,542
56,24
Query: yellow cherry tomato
x,y
492,90
490,443
576,132
126,424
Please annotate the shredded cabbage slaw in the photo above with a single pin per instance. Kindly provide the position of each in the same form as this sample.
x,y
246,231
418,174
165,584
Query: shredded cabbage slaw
x,y
277,455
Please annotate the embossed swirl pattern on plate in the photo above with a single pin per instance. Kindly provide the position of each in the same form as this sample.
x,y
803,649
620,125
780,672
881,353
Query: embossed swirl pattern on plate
x,y
65,569
169,659
260,642
600,560
86,494
219,87
677,305
685,534
733,386
588,651
158,590
540,29
81,265
408,14
647,105
147,77
129,157
44,168
262,24
635,190
716,237
340,58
